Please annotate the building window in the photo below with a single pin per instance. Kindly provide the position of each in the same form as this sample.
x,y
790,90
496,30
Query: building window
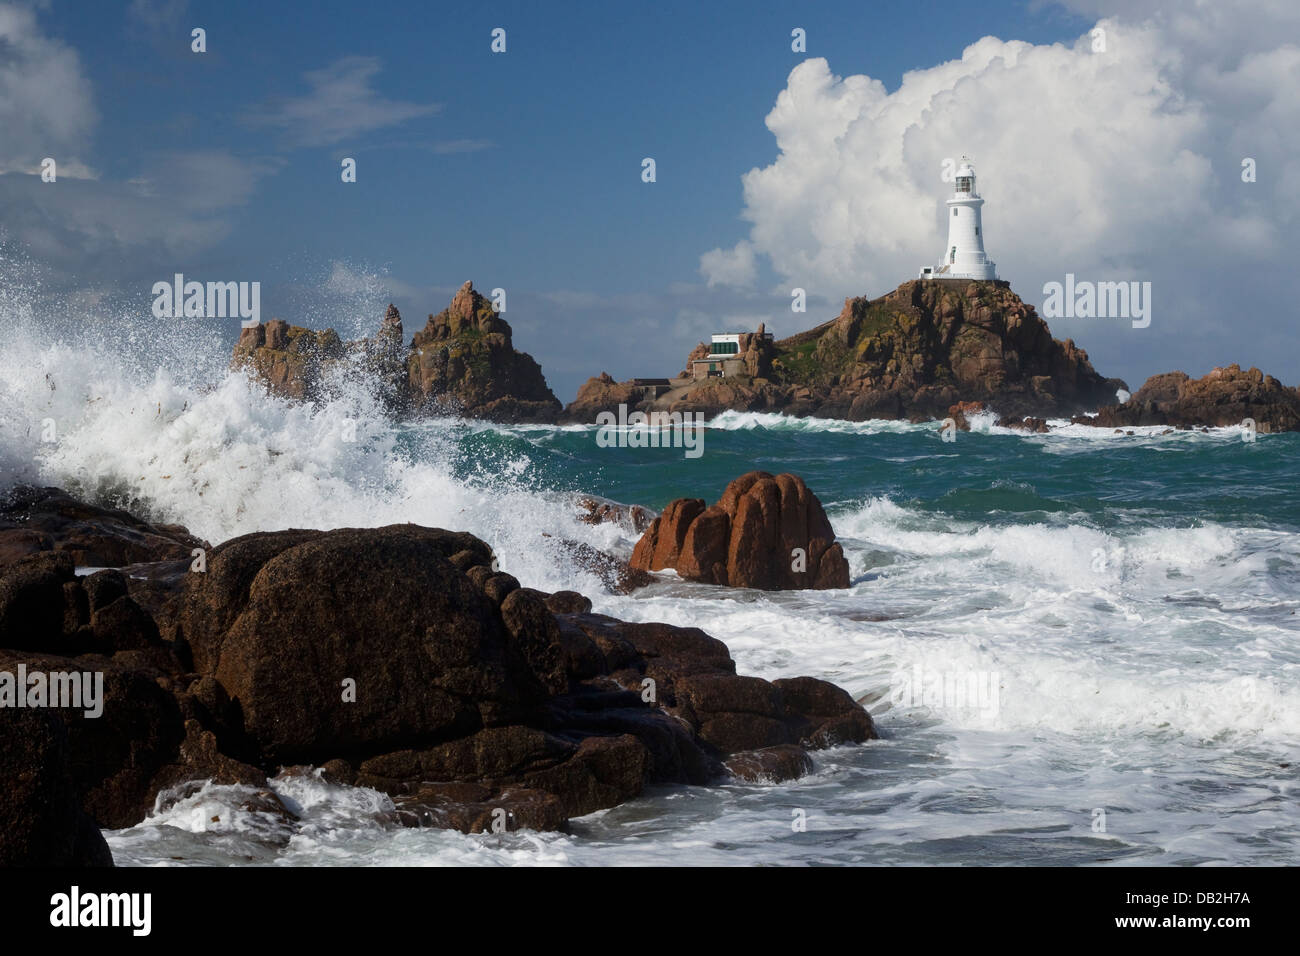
x,y
954,210
724,348
977,230
952,256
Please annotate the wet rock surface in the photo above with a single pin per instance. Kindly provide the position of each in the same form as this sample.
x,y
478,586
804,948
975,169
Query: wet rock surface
x,y
398,658
766,531
1223,397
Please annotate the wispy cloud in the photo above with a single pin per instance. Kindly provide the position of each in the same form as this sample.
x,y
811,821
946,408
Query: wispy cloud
x,y
46,107
444,147
342,103
180,203
160,19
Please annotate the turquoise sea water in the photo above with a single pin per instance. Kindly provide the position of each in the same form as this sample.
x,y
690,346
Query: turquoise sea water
x,y
985,475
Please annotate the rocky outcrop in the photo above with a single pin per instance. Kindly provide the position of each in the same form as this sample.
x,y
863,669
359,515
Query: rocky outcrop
x,y
149,736
34,520
290,360
765,532
53,621
423,669
1223,397
928,345
633,518
284,651
1026,424
46,607
398,658
464,355
616,575
959,412
601,393
384,362
910,354
462,362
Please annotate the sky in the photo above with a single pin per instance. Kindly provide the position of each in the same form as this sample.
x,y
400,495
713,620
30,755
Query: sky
x,y
1108,137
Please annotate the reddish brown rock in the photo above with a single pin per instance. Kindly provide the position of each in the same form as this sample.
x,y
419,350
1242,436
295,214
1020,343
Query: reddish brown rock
x,y
770,765
34,519
910,354
428,653
139,743
959,412
932,344
1038,425
1222,397
470,697
631,517
479,808
463,361
601,393
35,610
289,360
45,607
617,576
821,714
568,602
765,532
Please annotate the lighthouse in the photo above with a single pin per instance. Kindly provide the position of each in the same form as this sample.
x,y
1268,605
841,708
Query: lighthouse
x,y
964,257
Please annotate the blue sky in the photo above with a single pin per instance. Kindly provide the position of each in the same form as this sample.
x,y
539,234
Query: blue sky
x,y
522,170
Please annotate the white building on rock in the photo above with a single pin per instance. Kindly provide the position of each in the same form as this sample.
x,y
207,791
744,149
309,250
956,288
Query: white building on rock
x,y
964,256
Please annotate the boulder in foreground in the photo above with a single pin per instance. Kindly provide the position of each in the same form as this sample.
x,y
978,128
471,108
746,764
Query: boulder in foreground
x,y
398,658
402,656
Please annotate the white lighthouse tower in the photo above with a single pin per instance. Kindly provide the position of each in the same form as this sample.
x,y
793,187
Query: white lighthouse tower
x,y
964,256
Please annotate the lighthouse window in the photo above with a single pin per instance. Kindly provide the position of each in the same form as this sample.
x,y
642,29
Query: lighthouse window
x,y
977,230
954,212
964,183
952,256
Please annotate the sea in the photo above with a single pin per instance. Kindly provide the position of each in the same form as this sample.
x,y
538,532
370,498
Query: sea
x,y
1079,648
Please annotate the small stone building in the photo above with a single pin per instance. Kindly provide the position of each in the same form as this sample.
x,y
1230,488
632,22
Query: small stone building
x,y
724,357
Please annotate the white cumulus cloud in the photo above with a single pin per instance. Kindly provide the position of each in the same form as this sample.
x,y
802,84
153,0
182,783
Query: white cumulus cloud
x,y
1114,163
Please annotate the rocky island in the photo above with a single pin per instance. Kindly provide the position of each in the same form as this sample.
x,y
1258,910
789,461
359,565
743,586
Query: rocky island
x,y
930,349
1222,397
909,354
463,362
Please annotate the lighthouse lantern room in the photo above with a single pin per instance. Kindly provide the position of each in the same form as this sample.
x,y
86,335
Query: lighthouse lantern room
x,y
964,256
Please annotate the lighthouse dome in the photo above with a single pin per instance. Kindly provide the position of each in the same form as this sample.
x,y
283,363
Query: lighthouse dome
x,y
964,181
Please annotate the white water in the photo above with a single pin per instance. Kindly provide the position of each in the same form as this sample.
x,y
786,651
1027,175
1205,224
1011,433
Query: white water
x,y
1160,688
